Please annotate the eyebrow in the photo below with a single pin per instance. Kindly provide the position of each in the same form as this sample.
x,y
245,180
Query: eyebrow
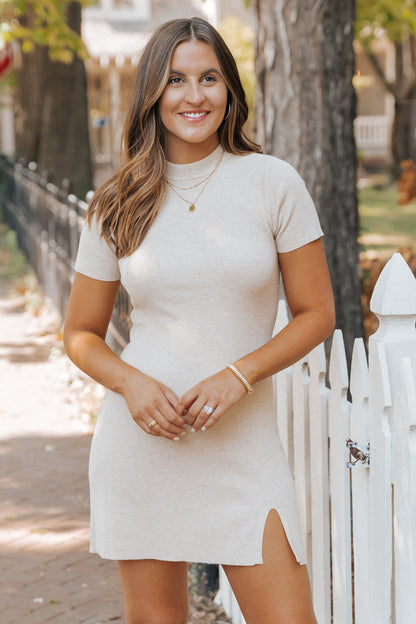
x,y
212,70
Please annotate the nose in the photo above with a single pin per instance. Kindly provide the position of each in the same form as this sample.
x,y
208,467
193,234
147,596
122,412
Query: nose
x,y
194,93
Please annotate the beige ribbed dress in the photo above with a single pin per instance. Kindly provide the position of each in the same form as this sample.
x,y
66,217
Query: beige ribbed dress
x,y
204,290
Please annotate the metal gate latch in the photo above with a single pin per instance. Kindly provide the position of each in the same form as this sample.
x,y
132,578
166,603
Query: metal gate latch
x,y
359,453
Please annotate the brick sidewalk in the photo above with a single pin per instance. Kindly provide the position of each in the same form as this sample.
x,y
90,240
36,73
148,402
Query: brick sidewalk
x,y
46,572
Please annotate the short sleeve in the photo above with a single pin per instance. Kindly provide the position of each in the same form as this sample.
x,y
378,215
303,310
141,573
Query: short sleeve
x,y
96,258
293,214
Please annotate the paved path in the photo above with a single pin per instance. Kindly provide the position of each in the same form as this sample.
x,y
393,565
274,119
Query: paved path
x,y
46,572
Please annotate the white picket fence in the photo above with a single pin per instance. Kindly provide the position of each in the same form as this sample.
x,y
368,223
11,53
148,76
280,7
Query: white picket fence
x,y
357,503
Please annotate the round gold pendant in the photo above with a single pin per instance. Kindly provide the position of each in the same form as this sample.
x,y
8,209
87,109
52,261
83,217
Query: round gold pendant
x,y
191,208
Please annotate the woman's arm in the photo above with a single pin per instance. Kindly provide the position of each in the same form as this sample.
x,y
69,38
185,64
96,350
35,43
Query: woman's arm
x,y
309,295
89,313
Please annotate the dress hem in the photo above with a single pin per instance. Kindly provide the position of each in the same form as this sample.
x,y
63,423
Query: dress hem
x,y
297,549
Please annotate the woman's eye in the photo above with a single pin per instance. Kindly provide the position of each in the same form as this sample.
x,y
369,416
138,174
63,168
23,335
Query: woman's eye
x,y
210,78
174,80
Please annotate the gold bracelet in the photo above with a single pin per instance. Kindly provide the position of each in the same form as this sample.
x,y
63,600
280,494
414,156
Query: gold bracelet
x,y
240,377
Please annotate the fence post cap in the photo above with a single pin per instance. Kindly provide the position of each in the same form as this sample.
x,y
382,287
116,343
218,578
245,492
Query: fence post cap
x,y
395,291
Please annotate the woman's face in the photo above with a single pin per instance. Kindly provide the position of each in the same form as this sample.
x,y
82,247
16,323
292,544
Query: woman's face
x,y
193,104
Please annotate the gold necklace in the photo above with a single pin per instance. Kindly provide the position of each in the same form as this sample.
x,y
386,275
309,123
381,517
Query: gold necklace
x,y
188,188
206,180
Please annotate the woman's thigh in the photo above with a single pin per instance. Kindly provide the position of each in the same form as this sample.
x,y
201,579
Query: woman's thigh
x,y
155,591
277,591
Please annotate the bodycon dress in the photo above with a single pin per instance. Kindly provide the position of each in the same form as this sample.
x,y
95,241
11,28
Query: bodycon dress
x,y
204,291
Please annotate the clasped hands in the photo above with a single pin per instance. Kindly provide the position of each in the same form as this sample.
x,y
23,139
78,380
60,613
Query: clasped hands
x,y
157,410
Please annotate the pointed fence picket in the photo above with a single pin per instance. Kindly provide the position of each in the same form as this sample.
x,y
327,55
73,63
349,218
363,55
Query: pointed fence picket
x,y
339,483
320,520
301,450
404,494
359,432
354,463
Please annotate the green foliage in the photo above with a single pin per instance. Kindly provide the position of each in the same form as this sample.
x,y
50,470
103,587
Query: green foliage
x,y
42,22
397,18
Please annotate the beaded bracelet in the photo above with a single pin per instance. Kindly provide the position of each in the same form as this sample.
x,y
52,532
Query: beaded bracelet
x,y
241,378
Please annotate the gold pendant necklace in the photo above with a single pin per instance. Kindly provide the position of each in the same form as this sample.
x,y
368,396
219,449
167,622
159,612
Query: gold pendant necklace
x,y
191,206
188,188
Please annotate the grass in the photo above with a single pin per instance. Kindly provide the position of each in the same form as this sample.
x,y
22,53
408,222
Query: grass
x,y
385,225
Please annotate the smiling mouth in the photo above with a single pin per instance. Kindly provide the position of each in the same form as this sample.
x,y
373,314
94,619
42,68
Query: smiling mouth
x,y
194,116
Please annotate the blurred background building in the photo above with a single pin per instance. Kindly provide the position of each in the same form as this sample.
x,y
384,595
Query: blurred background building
x,y
115,31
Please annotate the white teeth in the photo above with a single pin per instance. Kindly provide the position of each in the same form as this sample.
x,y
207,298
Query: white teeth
x,y
194,115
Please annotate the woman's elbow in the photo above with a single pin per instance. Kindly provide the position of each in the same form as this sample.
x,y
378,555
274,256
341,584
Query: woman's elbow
x,y
328,316
67,338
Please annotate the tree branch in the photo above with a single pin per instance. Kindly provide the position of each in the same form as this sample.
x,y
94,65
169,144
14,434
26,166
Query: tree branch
x,y
390,86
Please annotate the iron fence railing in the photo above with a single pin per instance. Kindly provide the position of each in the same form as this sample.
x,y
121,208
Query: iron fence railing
x,y
48,223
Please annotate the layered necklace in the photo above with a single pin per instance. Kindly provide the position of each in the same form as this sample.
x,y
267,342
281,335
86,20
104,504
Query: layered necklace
x,y
204,182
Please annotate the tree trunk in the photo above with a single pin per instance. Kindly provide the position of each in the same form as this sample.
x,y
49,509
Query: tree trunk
x,y
403,135
52,119
403,89
305,111
28,99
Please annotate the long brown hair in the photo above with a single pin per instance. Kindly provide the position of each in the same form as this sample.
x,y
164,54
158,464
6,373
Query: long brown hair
x,y
127,204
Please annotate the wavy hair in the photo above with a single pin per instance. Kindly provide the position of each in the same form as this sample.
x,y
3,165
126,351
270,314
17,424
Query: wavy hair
x,y
127,203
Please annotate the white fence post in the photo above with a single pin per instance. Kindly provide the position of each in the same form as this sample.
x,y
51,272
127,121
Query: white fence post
x,y
340,484
360,481
404,495
318,422
301,450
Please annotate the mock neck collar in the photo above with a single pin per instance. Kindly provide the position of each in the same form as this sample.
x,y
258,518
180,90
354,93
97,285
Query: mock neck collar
x,y
193,170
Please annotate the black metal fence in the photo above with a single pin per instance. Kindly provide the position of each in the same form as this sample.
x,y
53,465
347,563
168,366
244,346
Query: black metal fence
x,y
48,223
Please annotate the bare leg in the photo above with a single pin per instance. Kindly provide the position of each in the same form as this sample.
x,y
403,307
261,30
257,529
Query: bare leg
x,y
155,592
277,591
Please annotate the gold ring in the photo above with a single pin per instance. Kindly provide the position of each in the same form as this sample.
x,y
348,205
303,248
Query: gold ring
x,y
152,424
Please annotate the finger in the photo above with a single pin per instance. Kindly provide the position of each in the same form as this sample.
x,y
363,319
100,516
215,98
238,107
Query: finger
x,y
214,418
194,410
171,397
204,414
170,414
154,428
167,425
150,426
186,401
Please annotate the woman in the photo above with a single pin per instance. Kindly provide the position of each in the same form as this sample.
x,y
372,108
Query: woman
x,y
186,463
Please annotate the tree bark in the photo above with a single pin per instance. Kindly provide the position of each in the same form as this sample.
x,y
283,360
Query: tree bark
x,y
306,106
403,143
52,117
28,99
